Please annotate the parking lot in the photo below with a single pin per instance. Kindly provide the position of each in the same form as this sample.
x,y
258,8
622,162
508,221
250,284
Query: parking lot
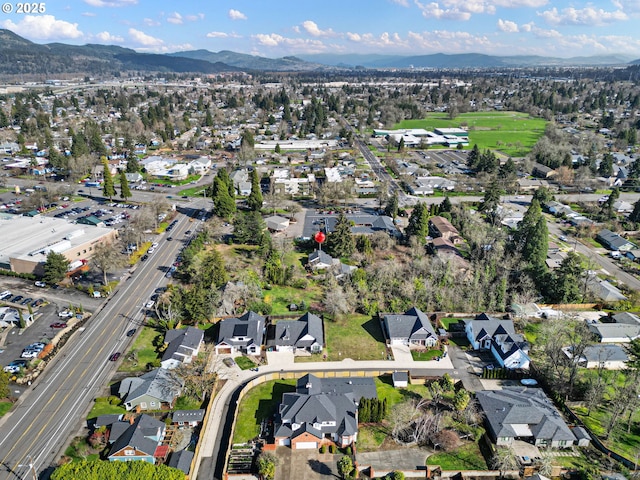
x,y
47,304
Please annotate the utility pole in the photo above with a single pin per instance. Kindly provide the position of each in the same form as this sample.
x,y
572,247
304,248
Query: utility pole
x,y
32,468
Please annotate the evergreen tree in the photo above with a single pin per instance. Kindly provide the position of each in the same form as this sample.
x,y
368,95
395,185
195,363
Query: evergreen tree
x,y
125,192
401,145
274,270
532,236
345,466
567,280
605,168
634,170
340,242
254,201
277,149
491,198
55,268
445,206
108,189
132,164
634,216
607,209
224,205
473,157
249,228
391,209
543,195
418,225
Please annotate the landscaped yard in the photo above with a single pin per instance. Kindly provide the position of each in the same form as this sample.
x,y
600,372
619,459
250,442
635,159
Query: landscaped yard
x,y
513,133
358,337
620,441
424,355
259,403
245,363
106,406
144,349
280,297
466,457
5,407
371,437
385,389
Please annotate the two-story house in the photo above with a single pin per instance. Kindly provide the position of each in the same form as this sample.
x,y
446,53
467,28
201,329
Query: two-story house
x,y
244,334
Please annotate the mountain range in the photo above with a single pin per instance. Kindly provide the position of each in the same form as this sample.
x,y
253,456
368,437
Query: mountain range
x,y
19,56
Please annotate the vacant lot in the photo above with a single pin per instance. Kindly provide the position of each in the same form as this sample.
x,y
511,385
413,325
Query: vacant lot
x,y
358,337
513,133
143,351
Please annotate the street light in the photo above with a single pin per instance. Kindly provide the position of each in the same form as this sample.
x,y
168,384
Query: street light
x,y
31,466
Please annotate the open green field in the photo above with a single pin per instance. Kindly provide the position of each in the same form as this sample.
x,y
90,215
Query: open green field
x,y
466,457
259,403
144,350
385,389
102,406
280,297
426,355
358,337
626,444
5,407
512,133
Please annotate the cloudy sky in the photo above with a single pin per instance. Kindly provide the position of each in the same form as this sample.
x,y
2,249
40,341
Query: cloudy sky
x,y
276,28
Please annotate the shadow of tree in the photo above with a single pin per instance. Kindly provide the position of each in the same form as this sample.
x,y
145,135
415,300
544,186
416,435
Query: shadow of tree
x,y
321,468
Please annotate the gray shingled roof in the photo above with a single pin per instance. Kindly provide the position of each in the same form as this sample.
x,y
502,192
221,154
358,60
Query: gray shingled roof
x,y
413,325
187,416
605,353
250,326
510,407
301,333
182,342
181,460
138,435
159,383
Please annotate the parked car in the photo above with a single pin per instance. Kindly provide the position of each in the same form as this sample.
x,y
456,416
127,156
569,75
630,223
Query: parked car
x,y
149,304
38,302
29,353
65,314
26,300
131,332
58,325
114,356
229,362
17,298
40,284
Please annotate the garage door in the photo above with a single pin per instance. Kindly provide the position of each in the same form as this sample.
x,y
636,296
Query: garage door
x,y
224,350
306,445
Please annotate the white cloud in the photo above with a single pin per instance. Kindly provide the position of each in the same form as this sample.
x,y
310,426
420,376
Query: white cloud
x,y
144,39
354,37
175,18
88,14
402,3
527,27
106,37
435,11
508,26
312,29
464,9
236,15
195,17
111,3
519,3
292,45
43,27
223,35
150,22
585,16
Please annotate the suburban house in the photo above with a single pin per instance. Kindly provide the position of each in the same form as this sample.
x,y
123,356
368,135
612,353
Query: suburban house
x,y
190,418
522,413
155,390
320,260
609,357
306,333
440,227
276,223
442,246
140,439
613,241
241,335
498,335
365,224
181,460
322,411
411,328
182,345
619,328
604,290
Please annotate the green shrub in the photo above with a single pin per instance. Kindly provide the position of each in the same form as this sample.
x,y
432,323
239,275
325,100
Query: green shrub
x,y
323,449
300,283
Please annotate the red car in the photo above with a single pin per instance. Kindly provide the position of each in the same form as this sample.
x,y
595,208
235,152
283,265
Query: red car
x,y
58,325
114,356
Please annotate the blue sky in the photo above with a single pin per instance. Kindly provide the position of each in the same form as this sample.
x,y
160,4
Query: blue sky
x,y
276,28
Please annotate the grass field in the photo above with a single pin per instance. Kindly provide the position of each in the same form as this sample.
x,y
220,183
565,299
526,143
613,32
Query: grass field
x,y
259,403
620,441
385,389
466,457
513,133
358,337
425,355
144,349
5,407
245,363
102,406
280,297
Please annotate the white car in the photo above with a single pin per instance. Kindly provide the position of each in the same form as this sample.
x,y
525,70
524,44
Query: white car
x,y
151,250
40,284
65,314
149,304
29,354
11,369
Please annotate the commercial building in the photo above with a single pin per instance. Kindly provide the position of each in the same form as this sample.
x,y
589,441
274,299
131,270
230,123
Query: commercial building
x,y
26,241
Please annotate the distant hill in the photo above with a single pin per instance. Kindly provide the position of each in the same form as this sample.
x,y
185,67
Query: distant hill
x,y
462,60
250,62
19,56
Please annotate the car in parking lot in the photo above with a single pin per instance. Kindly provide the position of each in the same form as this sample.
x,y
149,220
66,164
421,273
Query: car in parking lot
x,y
4,295
149,304
114,356
144,257
65,314
17,298
15,366
131,332
58,325
40,284
28,353
38,302
26,300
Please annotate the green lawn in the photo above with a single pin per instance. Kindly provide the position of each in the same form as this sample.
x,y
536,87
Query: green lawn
x,y
446,321
187,403
102,406
424,355
466,457
280,297
193,191
5,407
145,351
371,437
385,389
245,363
358,337
259,403
513,133
626,444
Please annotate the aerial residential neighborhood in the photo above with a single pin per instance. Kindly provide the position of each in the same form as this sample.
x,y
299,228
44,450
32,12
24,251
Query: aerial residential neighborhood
x,y
302,268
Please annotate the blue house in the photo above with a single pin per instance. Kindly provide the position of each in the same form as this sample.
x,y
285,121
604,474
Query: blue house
x,y
138,440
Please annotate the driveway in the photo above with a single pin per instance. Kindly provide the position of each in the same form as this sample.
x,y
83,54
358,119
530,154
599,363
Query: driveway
x,y
307,464
385,461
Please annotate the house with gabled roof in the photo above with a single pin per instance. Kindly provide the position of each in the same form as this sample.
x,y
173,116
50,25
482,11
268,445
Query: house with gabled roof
x,y
322,411
305,333
182,345
155,390
498,336
140,439
411,328
522,413
613,241
244,334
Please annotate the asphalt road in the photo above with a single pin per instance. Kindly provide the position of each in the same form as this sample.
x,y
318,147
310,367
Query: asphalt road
x,y
38,429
